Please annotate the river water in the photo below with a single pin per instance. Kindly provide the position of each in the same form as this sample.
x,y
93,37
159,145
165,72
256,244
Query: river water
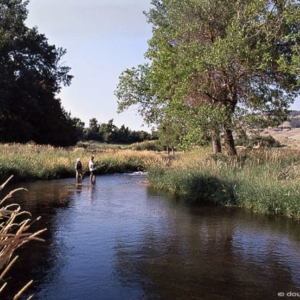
x,y
119,239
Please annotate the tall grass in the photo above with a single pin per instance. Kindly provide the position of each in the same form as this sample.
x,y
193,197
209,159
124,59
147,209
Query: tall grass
x,y
266,181
33,162
14,226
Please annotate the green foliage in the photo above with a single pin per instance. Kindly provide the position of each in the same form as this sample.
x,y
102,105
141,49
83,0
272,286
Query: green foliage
x,y
193,186
31,75
147,145
266,141
214,68
257,140
113,165
111,134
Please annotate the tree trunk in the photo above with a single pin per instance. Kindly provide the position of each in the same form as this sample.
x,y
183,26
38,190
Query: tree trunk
x,y
216,139
217,146
229,142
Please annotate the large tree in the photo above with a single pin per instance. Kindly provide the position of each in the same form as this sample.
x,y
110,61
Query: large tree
x,y
31,75
218,66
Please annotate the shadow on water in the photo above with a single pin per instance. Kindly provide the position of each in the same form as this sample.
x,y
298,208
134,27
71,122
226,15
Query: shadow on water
x,y
215,253
119,239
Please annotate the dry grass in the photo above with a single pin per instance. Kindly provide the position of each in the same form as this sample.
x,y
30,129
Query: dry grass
x,y
287,138
14,225
32,162
149,158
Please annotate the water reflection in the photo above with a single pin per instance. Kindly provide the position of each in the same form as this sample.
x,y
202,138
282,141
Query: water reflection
x,y
212,257
78,187
119,239
91,190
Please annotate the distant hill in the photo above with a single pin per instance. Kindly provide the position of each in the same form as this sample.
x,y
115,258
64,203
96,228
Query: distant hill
x,y
288,134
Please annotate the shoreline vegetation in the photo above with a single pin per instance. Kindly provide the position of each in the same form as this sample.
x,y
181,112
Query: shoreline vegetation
x,y
264,180
30,162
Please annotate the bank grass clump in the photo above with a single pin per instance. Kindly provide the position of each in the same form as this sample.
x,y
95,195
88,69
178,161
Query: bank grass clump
x,y
265,181
14,226
146,145
29,162
192,185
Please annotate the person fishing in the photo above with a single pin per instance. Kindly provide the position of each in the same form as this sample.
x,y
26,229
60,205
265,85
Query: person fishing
x,y
93,169
78,169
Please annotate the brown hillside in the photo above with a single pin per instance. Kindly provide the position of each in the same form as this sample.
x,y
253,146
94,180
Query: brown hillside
x,y
287,137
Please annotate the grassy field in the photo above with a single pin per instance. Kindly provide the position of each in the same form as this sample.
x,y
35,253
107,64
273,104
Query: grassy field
x,y
35,162
264,180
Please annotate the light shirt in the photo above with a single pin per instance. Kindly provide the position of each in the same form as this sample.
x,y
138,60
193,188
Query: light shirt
x,y
92,166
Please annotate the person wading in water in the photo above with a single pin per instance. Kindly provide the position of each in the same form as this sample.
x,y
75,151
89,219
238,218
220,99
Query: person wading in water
x,y
78,168
93,169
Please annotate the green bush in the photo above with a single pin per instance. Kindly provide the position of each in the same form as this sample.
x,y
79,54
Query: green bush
x,y
147,145
264,141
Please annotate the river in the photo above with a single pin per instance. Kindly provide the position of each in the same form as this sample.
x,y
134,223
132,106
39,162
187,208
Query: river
x,y
120,239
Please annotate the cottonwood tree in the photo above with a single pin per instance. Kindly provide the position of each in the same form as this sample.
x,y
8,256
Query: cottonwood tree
x,y
31,75
219,65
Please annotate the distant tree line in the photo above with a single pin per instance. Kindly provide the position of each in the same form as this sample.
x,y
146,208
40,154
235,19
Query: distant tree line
x,y
109,133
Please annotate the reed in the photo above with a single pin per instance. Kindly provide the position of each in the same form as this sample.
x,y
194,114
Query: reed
x,y
14,226
265,181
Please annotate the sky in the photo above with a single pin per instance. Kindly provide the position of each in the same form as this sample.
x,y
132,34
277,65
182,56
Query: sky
x,y
102,39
